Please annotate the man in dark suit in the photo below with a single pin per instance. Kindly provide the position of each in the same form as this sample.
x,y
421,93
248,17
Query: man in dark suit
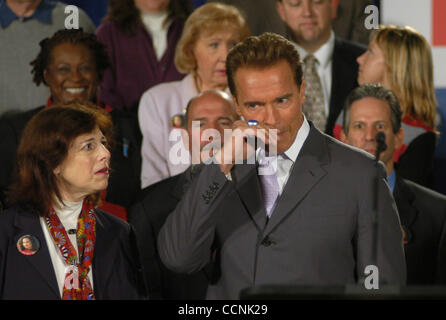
x,y
309,26
298,216
370,109
214,110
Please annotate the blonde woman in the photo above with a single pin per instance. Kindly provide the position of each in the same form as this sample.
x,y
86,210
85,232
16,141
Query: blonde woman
x,y
208,35
400,59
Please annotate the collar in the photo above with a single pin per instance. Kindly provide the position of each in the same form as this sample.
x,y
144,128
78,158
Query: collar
x,y
324,54
391,180
43,13
293,151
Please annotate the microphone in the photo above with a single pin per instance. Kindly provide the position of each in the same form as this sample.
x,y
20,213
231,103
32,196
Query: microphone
x,y
381,141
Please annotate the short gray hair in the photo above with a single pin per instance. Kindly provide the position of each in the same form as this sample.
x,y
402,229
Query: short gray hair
x,y
379,92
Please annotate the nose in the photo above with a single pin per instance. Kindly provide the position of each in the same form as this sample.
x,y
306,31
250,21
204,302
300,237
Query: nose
x,y
271,116
307,7
104,154
370,133
75,75
360,59
224,49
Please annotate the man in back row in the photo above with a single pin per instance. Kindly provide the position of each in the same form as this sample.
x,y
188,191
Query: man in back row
x,y
330,67
370,109
315,225
211,110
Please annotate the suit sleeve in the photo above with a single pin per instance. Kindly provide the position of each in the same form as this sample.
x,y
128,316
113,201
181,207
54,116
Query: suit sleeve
x,y
390,258
186,238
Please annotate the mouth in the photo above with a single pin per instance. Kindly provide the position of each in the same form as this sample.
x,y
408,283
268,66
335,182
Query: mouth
x,y
75,90
104,170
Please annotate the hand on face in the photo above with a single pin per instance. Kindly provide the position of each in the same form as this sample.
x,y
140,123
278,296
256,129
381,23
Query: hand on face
x,y
71,74
243,142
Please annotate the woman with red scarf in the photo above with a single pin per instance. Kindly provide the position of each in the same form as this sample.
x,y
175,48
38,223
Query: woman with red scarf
x,y
84,253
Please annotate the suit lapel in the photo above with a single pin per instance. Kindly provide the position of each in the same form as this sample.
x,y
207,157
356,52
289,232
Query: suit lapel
x,y
248,188
29,223
102,268
307,171
404,198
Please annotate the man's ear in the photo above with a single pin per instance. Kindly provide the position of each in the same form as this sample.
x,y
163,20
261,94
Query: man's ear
x,y
280,10
399,138
334,8
56,171
238,110
303,85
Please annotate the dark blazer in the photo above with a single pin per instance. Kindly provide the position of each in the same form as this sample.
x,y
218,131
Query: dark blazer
x,y
115,262
423,218
147,217
11,128
344,77
315,236
417,162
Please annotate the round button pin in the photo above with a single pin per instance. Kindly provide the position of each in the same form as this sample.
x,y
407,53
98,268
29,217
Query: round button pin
x,y
28,245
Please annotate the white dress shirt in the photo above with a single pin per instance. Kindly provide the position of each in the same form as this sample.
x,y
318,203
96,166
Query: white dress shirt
x,y
68,216
324,56
286,160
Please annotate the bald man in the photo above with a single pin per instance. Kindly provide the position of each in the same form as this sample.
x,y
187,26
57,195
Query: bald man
x,y
207,116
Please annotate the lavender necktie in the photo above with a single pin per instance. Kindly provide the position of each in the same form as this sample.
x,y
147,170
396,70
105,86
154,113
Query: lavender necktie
x,y
268,181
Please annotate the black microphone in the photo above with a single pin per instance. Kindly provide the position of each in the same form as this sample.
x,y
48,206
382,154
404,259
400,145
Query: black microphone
x,y
381,140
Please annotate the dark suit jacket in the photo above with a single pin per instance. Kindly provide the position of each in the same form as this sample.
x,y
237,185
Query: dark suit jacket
x,y
423,217
344,77
349,22
11,128
147,217
319,234
417,162
115,262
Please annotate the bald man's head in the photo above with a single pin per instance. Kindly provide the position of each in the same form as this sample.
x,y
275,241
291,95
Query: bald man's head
x,y
212,109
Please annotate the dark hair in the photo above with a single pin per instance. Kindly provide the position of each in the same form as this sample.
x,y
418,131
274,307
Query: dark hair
x,y
262,51
73,36
379,92
127,16
44,145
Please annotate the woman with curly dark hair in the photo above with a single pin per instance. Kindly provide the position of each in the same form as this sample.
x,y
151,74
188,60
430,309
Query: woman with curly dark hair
x,y
141,36
71,64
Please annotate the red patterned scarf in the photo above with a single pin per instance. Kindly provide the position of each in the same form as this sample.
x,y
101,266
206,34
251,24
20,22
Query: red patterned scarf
x,y
77,285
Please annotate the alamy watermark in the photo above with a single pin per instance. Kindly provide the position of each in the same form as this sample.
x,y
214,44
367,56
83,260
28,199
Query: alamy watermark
x,y
372,20
233,140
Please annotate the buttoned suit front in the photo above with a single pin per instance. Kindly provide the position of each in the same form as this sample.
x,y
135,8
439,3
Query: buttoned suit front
x,y
319,234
